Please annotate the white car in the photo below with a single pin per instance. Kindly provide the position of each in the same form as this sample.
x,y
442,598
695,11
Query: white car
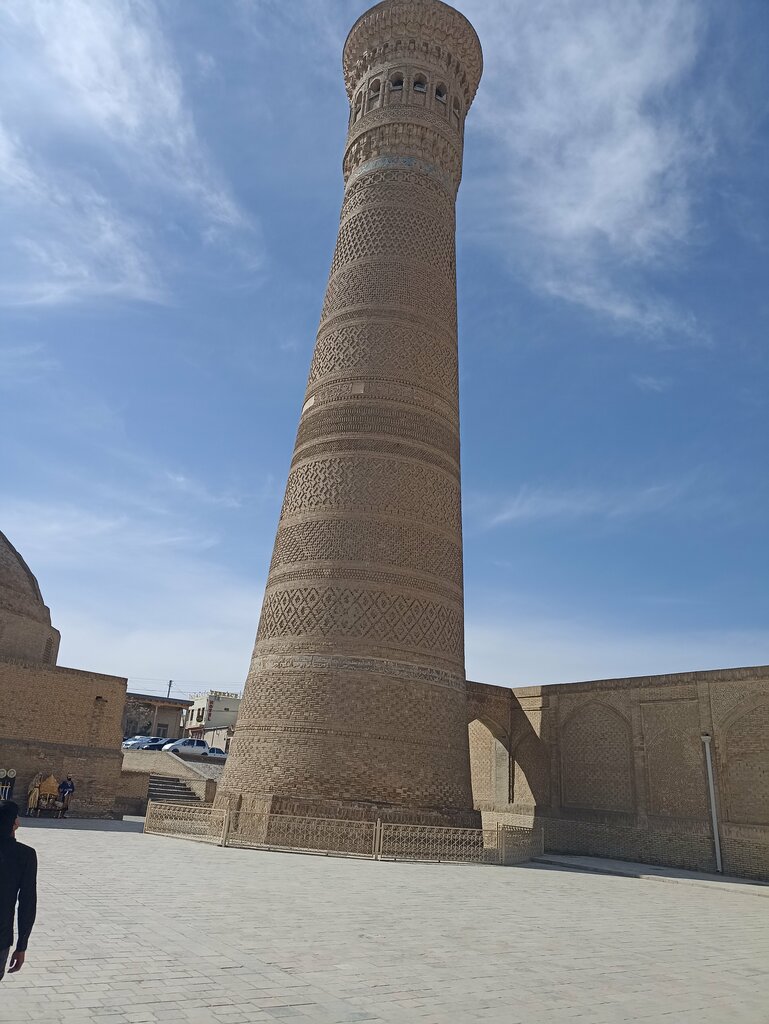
x,y
182,747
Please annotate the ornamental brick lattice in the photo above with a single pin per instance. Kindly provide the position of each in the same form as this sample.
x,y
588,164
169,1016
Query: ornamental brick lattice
x,y
355,701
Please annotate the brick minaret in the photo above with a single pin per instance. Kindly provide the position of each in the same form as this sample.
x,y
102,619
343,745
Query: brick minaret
x,y
355,700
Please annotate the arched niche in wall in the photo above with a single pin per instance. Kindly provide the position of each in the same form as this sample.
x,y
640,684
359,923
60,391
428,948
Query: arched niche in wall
x,y
676,782
746,748
596,760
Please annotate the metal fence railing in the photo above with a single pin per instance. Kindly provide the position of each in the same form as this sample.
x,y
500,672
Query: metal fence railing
x,y
503,844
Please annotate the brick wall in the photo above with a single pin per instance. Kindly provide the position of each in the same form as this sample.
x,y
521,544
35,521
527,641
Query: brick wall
x,y
616,767
22,636
131,797
62,721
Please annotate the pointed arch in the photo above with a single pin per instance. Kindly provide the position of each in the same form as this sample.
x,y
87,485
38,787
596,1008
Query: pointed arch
x,y
597,759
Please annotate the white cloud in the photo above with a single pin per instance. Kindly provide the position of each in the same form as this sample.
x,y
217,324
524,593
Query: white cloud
x,y
24,363
647,382
212,649
63,239
95,131
541,504
307,26
137,595
531,651
195,489
598,146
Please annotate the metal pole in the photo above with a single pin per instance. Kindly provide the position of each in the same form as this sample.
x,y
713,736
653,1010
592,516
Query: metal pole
x,y
706,739
170,681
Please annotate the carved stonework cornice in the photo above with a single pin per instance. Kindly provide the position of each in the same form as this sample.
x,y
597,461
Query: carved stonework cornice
x,y
397,30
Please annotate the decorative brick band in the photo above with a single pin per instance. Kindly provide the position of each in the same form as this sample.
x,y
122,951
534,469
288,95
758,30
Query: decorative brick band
x,y
356,694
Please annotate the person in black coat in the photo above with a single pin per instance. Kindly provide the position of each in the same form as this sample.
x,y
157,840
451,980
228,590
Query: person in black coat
x,y
18,884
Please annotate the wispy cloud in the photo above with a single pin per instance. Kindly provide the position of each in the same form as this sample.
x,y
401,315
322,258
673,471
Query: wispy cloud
x,y
529,650
95,132
313,27
164,607
600,141
191,488
654,384
24,363
544,504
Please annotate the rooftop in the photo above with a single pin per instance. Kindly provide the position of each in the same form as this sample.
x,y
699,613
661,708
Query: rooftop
x,y
153,698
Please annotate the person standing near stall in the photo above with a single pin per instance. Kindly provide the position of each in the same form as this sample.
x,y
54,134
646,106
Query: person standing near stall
x,y
18,884
66,789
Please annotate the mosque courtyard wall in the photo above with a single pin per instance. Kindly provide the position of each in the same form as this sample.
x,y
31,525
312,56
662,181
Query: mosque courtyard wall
x,y
617,767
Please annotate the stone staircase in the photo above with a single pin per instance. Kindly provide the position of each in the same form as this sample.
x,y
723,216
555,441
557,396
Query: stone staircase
x,y
171,791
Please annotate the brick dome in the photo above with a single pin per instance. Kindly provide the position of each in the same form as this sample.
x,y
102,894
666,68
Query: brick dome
x,y
26,633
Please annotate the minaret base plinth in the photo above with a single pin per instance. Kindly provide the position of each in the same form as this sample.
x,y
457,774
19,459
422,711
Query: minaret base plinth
x,y
272,806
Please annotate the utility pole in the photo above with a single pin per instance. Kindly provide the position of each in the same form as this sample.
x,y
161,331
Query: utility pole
x,y
170,681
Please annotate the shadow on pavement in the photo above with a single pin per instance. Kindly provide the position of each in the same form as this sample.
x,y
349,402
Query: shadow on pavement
x,y
647,872
83,824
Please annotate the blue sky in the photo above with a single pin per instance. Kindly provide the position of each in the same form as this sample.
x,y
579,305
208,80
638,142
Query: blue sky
x,y
169,190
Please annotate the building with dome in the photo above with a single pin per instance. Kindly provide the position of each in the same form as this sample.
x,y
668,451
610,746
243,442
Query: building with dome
x,y
26,633
53,720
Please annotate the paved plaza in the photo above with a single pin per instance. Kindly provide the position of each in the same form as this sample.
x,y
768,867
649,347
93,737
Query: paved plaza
x,y
136,928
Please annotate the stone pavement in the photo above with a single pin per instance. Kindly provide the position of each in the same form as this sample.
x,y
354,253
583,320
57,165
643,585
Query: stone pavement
x,y
632,869
138,928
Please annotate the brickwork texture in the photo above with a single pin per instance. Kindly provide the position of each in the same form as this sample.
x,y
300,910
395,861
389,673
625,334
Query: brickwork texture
x,y
616,768
355,702
63,721
26,633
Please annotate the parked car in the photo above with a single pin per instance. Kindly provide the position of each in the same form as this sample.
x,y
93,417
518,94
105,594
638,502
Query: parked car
x,y
140,742
216,752
157,744
182,747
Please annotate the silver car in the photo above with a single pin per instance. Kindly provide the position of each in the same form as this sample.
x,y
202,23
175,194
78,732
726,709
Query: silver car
x,y
139,742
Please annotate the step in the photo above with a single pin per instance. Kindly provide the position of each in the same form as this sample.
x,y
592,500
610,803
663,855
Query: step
x,y
192,800
166,790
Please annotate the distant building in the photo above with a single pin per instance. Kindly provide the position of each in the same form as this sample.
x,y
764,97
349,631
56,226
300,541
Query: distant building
x,y
213,710
53,720
221,737
148,715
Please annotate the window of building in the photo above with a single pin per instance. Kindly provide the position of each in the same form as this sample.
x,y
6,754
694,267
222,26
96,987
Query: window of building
x,y
200,714
162,730
420,84
441,93
456,110
373,92
396,83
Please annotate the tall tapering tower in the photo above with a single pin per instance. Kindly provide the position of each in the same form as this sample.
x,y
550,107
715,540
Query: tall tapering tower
x,y
355,700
